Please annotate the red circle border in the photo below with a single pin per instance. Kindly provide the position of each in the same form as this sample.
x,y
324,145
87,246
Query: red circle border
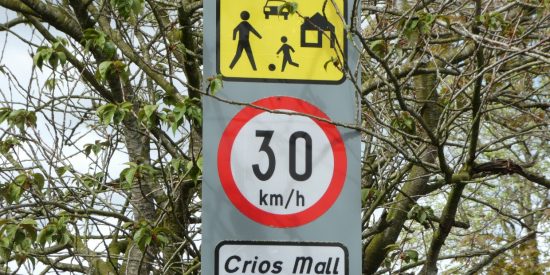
x,y
239,200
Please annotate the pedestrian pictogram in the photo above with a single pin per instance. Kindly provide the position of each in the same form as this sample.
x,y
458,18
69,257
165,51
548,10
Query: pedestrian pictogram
x,y
266,167
243,30
305,45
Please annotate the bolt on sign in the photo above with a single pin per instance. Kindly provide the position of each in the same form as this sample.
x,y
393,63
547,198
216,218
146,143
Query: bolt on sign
x,y
274,40
281,178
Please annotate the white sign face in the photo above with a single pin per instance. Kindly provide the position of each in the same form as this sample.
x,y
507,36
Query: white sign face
x,y
283,164
242,257
272,162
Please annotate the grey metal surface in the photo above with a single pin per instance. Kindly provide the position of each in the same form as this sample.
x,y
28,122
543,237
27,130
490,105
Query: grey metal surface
x,y
221,220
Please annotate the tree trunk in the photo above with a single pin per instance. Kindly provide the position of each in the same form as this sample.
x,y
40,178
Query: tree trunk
x,y
416,185
141,202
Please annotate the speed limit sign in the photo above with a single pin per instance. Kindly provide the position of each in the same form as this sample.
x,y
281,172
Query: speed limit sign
x,y
281,162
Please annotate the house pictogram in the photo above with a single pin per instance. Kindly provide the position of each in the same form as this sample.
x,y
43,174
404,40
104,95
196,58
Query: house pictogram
x,y
313,29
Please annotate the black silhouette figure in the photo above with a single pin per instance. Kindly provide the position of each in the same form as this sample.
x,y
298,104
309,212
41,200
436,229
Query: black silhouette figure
x,y
244,28
319,24
285,48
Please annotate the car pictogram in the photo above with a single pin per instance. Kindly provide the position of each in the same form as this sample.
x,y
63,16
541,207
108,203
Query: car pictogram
x,y
275,7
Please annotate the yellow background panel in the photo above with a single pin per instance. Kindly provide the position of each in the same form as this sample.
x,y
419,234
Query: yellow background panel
x,y
311,60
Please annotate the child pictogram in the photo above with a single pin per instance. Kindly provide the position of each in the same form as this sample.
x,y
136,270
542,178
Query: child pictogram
x,y
287,58
244,29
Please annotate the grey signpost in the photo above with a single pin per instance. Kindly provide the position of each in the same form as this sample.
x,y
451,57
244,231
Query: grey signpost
x,y
281,185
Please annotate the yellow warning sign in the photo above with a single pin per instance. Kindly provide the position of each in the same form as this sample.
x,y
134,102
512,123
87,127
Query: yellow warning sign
x,y
278,40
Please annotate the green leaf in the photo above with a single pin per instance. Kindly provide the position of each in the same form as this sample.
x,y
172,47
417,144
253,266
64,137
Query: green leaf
x,y
28,221
216,84
29,226
161,236
5,249
109,49
194,111
129,175
53,56
128,9
38,60
12,193
87,149
413,24
170,99
104,69
50,84
21,179
62,170
118,116
379,47
4,114
92,180
180,110
387,263
11,231
96,148
404,122
126,106
8,144
143,237
176,164
98,39
200,163
38,180
422,217
65,238
42,53
53,60
106,113
33,261
420,214
22,119
137,7
150,110
292,7
162,239
45,235
30,119
410,255
194,171
62,57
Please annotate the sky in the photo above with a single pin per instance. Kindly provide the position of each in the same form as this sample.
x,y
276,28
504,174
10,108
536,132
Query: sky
x,y
17,61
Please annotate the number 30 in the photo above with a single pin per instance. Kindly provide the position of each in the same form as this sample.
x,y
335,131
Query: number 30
x,y
264,147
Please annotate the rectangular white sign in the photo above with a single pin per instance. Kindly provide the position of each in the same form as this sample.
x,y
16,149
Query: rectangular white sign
x,y
250,258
